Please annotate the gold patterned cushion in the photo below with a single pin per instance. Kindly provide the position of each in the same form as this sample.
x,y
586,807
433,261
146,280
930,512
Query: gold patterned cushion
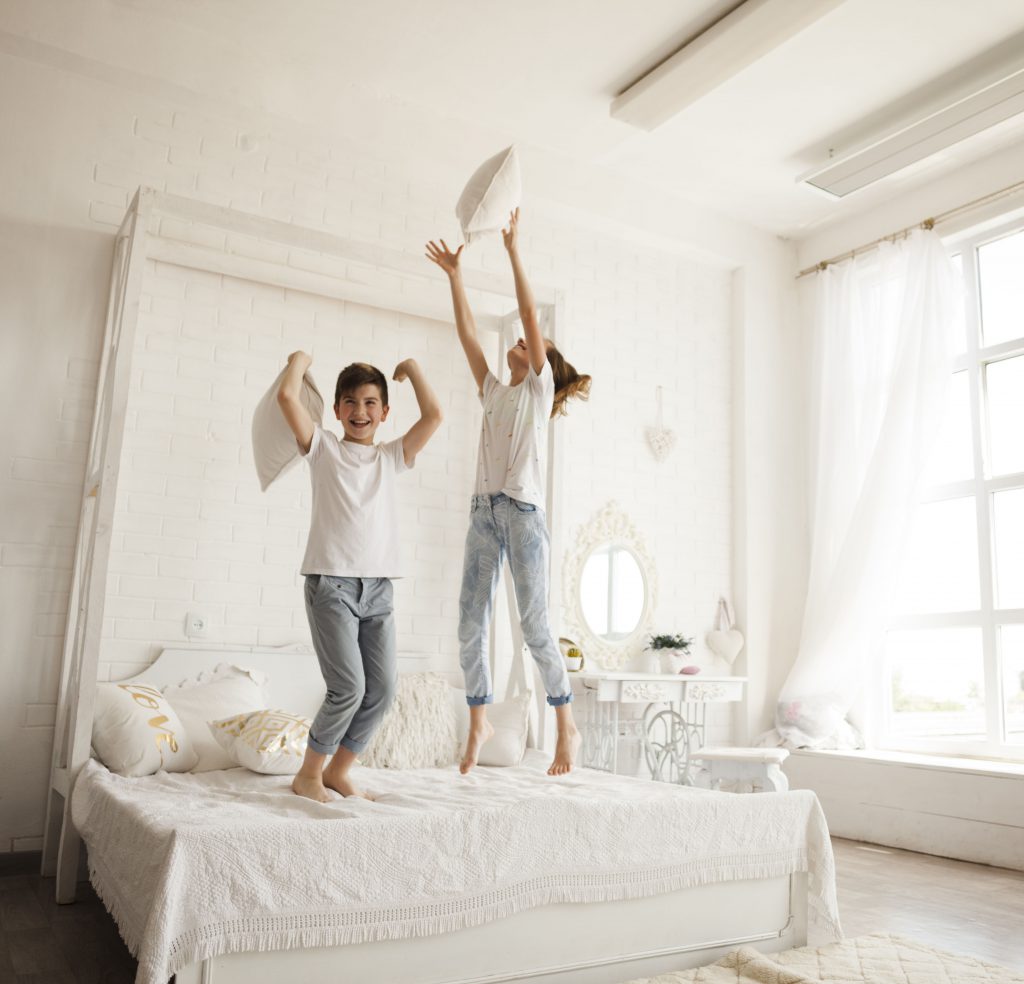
x,y
268,741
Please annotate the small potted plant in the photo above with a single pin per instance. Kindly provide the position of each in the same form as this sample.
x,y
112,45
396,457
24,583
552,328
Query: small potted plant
x,y
573,659
672,649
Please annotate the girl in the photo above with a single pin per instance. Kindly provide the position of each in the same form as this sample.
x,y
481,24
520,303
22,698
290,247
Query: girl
x,y
508,505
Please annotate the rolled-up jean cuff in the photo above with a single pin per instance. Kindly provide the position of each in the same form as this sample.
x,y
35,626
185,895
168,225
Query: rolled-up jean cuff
x,y
319,748
355,747
559,701
477,701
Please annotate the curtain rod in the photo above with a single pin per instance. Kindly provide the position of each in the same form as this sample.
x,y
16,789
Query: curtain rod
x,y
929,223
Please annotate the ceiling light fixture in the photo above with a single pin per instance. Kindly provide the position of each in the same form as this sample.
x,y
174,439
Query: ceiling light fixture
x,y
952,122
727,47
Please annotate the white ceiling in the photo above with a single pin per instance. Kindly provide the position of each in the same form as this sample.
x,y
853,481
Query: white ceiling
x,y
543,73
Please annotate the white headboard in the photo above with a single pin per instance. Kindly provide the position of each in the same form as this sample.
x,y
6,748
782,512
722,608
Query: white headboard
x,y
294,684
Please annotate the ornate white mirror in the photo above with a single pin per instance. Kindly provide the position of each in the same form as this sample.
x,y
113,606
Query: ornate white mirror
x,y
609,589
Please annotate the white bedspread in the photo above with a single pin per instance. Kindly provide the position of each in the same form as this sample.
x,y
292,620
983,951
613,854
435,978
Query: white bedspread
x,y
192,866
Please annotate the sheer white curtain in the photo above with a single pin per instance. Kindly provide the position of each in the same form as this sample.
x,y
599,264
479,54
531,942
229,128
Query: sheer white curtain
x,y
883,338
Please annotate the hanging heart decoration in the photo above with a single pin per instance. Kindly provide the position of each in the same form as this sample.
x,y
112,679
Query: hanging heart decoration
x,y
723,640
660,439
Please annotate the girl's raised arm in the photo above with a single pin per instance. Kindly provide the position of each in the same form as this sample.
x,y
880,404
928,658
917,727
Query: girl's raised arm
x,y
464,323
535,344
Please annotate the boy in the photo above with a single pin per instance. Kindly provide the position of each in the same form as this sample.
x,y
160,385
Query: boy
x,y
351,556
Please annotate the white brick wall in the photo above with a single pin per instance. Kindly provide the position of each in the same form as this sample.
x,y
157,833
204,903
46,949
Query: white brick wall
x,y
192,532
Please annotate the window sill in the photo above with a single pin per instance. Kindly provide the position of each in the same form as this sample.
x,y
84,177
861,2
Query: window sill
x,y
996,768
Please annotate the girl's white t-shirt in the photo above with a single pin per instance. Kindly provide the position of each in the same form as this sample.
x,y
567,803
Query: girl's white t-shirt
x,y
354,528
514,438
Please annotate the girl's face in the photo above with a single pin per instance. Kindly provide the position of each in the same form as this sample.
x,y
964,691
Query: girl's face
x,y
519,358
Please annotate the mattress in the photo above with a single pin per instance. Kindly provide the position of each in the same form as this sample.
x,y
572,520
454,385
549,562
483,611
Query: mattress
x,y
192,866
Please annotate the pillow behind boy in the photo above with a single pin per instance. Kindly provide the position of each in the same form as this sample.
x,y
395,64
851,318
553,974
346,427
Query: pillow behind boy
x,y
418,731
273,444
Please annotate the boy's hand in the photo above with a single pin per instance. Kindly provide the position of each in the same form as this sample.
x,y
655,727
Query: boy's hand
x,y
402,370
511,234
444,257
302,357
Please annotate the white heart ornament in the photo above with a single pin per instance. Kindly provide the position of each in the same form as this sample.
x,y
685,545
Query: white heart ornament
x,y
725,643
661,440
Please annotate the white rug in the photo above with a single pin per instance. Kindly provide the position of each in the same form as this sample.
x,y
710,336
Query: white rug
x,y
876,959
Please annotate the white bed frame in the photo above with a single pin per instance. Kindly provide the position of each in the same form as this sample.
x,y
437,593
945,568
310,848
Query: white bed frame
x,y
572,943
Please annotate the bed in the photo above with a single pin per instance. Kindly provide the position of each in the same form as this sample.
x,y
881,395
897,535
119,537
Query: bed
x,y
504,875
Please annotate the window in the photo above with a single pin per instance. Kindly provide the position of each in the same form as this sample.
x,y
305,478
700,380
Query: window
x,y
953,668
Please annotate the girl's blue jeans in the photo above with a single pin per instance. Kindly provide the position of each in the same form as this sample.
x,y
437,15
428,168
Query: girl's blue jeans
x,y
499,527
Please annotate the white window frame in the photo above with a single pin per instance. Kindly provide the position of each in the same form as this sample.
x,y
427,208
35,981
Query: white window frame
x,y
988,618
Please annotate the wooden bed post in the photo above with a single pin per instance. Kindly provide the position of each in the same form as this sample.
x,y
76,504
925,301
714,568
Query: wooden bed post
x,y
73,731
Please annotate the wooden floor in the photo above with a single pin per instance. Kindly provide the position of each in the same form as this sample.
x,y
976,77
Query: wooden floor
x,y
968,908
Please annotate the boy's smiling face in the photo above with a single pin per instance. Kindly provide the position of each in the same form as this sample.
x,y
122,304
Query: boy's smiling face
x,y
361,412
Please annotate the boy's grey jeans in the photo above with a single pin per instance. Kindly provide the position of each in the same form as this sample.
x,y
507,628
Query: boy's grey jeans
x,y
500,525
354,637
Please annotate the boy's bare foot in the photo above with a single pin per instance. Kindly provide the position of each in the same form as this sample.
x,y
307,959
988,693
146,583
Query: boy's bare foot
x,y
311,787
566,750
341,783
478,734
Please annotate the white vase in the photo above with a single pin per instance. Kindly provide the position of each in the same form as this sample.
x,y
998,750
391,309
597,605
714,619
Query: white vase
x,y
652,661
672,660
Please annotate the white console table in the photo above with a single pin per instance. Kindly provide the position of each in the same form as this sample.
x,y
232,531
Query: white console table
x,y
673,722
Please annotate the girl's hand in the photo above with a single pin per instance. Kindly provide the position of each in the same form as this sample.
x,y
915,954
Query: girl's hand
x,y
402,370
510,235
444,257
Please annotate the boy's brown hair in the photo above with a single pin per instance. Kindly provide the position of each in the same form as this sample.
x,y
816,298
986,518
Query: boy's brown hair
x,y
568,382
360,374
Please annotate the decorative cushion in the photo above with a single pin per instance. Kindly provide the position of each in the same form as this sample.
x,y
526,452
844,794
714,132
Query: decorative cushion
x,y
418,731
511,721
224,692
494,190
268,741
274,447
136,732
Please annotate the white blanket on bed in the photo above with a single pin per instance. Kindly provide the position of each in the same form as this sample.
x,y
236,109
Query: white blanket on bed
x,y
192,866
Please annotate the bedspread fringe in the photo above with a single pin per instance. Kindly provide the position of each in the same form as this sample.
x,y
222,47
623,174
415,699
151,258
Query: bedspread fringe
x,y
322,929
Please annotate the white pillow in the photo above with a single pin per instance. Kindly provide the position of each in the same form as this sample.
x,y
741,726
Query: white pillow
x,y
224,692
511,721
274,447
418,731
269,741
494,190
135,731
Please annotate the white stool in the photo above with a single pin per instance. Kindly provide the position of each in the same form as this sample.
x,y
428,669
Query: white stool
x,y
751,769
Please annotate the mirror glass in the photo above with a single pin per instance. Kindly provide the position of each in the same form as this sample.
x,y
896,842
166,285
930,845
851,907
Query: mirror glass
x,y
612,592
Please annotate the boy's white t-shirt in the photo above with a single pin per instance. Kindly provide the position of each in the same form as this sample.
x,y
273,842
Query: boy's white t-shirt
x,y
354,528
514,439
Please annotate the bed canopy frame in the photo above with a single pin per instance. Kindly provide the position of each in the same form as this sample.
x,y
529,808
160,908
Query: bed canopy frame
x,y
177,230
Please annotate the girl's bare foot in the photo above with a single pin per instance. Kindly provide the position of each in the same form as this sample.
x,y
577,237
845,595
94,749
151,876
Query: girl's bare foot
x,y
566,750
311,787
478,734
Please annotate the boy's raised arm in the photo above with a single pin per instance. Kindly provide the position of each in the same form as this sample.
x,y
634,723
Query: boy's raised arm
x,y
291,405
535,344
464,323
430,409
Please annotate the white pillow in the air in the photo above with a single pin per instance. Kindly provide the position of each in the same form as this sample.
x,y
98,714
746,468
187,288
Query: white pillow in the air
x,y
274,447
136,732
494,190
